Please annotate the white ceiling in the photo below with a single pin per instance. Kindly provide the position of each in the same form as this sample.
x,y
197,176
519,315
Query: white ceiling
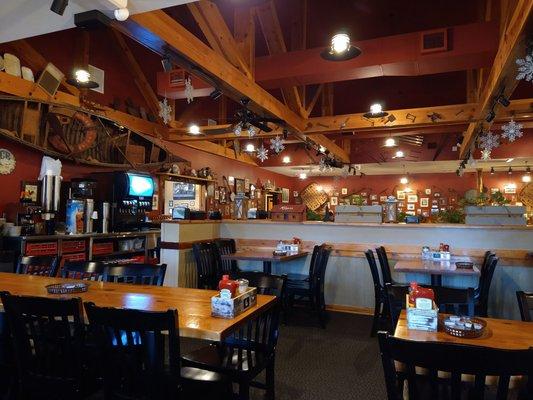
x,y
25,18
409,167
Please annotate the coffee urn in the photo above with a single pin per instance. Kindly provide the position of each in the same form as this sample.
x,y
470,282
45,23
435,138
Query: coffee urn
x,y
88,216
50,195
103,217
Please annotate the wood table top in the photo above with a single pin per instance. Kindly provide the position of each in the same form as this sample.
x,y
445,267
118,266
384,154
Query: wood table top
x,y
193,305
499,334
263,255
434,267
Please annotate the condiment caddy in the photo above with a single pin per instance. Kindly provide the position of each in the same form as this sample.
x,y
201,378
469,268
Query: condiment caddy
x,y
234,298
422,312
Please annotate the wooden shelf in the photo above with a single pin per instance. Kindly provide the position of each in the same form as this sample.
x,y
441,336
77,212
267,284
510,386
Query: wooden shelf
x,y
191,178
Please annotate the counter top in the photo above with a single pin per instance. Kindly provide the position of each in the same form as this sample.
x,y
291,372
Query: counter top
x,y
89,235
372,225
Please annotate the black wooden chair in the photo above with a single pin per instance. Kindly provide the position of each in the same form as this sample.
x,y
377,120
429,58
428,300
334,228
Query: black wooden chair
x,y
227,246
48,342
440,360
208,268
385,267
297,278
244,355
525,304
273,285
380,311
138,364
311,292
449,300
85,270
38,265
485,280
136,274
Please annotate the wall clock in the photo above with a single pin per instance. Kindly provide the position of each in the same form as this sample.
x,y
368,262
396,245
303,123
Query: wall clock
x,y
7,162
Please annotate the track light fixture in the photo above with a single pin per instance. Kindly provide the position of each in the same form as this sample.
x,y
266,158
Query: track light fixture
x,y
58,6
490,116
503,100
510,171
215,94
166,63
492,170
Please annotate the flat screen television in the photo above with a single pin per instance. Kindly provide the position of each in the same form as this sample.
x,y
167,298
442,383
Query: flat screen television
x,y
183,191
140,185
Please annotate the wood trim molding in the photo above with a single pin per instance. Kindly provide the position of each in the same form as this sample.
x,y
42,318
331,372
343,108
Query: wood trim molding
x,y
350,309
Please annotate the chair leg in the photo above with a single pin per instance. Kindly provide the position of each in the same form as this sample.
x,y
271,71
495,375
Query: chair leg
x,y
270,382
244,391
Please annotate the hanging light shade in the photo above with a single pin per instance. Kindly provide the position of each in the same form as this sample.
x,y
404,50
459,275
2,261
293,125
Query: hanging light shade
x,y
194,129
340,49
404,180
390,142
82,79
376,111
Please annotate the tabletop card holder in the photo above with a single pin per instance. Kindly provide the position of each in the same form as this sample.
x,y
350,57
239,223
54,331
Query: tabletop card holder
x,y
422,319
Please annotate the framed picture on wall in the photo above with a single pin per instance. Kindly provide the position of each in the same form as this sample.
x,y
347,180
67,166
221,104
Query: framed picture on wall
x,y
155,202
412,198
383,199
285,194
424,202
239,186
246,184
428,191
373,197
295,194
344,191
400,194
28,192
333,201
217,194
411,207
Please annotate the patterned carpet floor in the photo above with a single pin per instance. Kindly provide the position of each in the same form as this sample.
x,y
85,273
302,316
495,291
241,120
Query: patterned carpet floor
x,y
340,362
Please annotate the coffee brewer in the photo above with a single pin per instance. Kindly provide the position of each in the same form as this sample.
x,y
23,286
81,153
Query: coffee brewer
x,y
80,206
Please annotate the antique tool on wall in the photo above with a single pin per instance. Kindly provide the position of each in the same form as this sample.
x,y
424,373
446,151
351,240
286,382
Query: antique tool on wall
x,y
231,194
312,197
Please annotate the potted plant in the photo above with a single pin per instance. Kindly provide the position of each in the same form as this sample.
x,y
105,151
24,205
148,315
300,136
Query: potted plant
x,y
493,209
357,211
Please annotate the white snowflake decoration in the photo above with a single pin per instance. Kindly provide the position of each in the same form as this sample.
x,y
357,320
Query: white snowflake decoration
x,y
323,165
485,154
512,131
525,68
489,141
189,90
252,131
277,145
262,153
165,111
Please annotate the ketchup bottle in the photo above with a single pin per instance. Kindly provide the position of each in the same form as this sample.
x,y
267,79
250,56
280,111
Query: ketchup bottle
x,y
227,283
416,291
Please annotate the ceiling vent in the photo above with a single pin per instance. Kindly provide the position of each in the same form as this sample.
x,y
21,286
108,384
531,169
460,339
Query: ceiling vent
x,y
434,41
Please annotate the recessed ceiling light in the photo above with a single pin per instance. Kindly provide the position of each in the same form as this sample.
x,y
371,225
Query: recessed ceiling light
x,y
250,148
286,160
194,129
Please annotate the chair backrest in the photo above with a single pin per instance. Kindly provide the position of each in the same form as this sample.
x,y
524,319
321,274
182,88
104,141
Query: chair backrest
x,y
86,270
487,272
525,303
273,285
47,336
455,359
227,246
208,269
136,274
261,332
133,346
369,254
319,269
38,265
384,264
313,261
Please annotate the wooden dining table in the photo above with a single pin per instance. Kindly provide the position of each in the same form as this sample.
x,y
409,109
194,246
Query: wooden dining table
x,y
434,268
266,256
499,334
193,305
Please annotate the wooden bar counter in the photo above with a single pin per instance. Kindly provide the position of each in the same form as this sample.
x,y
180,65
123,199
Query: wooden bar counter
x,y
348,284
193,305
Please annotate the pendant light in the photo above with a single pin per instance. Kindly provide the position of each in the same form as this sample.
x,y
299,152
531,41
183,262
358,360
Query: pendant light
x,y
376,111
82,80
340,49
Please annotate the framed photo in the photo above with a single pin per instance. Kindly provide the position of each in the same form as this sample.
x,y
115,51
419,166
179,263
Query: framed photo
x,y
443,201
373,197
295,193
400,195
427,191
509,189
223,195
494,190
239,186
364,194
285,194
412,198
424,202
344,191
383,199
29,192
333,201
155,202
217,194
246,184
410,207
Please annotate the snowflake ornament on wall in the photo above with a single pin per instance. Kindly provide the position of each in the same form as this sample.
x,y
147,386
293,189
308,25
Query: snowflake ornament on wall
x,y
165,111
189,90
512,131
525,68
485,155
489,141
262,153
323,165
276,144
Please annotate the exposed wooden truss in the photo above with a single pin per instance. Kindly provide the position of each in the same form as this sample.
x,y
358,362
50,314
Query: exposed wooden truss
x,y
502,77
219,150
244,33
136,71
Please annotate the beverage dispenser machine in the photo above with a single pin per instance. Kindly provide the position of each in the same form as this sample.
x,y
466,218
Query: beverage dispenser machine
x,y
132,198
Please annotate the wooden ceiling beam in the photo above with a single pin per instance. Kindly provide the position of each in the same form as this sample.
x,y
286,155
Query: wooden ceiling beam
x,y
331,146
502,76
271,28
212,24
164,35
219,150
137,72
36,61
244,33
